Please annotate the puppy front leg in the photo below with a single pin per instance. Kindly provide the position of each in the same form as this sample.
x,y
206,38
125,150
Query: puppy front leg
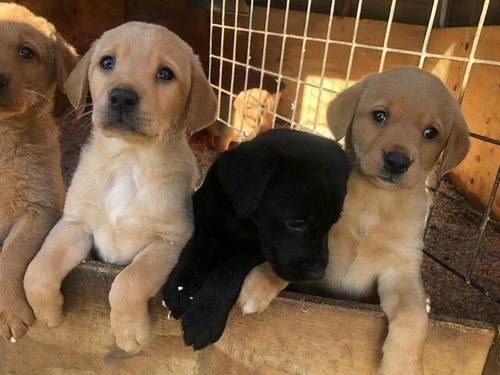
x,y
205,319
402,298
21,244
132,289
261,286
67,244
188,275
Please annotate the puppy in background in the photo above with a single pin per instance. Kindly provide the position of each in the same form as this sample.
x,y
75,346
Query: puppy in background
x,y
251,114
131,194
396,124
34,59
270,199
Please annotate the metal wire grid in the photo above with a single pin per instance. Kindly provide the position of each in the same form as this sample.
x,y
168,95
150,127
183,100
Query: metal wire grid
x,y
221,6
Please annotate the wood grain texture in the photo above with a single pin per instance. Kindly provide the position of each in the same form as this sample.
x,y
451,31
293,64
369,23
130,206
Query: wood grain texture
x,y
295,336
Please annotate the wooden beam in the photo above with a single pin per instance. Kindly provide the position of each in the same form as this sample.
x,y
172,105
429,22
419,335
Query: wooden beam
x,y
296,335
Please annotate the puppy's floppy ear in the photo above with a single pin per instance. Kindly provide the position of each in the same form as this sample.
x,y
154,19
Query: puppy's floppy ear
x,y
244,175
457,145
65,60
201,107
76,86
341,110
271,101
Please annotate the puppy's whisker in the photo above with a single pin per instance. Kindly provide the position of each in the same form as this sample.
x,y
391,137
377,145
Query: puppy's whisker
x,y
38,94
39,108
84,121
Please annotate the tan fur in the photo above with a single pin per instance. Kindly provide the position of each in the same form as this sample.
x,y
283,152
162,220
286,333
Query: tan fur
x,y
131,194
32,191
376,246
251,115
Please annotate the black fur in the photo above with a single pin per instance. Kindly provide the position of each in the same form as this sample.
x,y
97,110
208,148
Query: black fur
x,y
271,199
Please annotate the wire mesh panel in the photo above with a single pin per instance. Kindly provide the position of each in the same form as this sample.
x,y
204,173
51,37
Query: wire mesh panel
x,y
303,53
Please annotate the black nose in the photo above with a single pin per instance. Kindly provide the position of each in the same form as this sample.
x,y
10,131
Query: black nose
x,y
396,162
4,81
123,100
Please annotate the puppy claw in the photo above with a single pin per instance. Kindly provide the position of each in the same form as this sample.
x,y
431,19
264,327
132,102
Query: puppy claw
x,y
18,329
15,319
50,316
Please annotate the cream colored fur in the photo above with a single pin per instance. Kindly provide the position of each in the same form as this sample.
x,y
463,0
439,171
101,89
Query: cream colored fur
x,y
131,194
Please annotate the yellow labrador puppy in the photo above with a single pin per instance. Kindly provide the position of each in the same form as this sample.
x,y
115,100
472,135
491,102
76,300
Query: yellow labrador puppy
x,y
131,194
397,124
34,60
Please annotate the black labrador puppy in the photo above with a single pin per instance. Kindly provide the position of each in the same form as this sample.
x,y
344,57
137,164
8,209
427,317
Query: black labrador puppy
x,y
271,199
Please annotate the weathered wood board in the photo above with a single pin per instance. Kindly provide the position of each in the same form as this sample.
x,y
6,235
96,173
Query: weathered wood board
x,y
296,335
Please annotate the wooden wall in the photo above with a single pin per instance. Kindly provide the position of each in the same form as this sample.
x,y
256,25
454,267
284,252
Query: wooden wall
x,y
80,21
417,12
83,21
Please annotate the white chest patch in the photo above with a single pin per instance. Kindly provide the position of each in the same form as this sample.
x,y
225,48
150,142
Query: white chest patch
x,y
123,231
367,221
121,197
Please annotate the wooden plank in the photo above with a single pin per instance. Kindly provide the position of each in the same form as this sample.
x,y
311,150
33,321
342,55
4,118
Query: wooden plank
x,y
296,335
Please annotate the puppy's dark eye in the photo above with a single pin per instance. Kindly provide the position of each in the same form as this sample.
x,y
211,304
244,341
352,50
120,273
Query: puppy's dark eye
x,y
26,53
296,227
165,74
107,63
430,132
379,117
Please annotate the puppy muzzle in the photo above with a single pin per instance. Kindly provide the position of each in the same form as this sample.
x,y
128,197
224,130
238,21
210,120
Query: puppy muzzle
x,y
121,110
301,272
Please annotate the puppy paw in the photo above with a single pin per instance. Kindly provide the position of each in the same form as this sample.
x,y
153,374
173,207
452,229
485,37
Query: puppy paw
x,y
204,322
131,328
258,290
413,367
15,317
179,291
46,304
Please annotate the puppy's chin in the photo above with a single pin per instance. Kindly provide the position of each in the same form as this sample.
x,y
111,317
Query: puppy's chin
x,y
294,275
119,128
382,179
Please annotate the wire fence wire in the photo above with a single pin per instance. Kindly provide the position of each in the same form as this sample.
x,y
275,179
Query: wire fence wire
x,y
239,18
